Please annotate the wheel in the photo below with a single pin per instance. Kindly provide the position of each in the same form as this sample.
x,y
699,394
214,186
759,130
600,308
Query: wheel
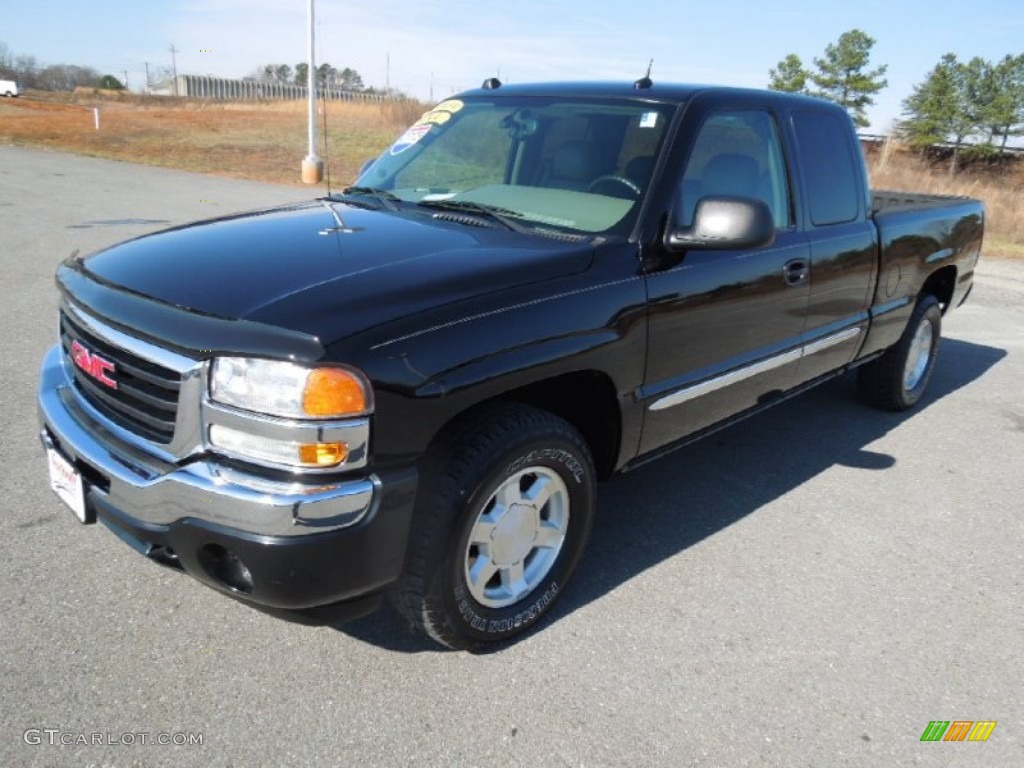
x,y
632,189
897,379
502,518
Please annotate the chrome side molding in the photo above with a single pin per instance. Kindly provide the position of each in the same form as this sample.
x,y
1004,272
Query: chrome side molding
x,y
707,386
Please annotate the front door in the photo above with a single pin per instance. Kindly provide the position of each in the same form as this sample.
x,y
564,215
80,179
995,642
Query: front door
x,y
725,326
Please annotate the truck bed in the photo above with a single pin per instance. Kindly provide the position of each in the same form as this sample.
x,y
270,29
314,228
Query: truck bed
x,y
890,201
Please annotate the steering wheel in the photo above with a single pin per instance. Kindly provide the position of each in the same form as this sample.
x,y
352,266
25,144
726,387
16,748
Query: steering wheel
x,y
620,181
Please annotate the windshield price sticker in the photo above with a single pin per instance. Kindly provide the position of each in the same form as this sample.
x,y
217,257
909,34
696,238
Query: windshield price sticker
x,y
411,138
649,120
439,115
442,113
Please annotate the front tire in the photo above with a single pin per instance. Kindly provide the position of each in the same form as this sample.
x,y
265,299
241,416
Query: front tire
x,y
502,518
897,380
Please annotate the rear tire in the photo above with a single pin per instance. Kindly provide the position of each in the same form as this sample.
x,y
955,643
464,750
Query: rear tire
x,y
897,380
502,517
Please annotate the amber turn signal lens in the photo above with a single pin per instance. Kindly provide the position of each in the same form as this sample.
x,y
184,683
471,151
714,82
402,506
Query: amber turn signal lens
x,y
333,392
323,454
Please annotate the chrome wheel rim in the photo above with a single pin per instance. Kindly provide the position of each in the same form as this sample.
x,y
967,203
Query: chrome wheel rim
x,y
918,356
516,537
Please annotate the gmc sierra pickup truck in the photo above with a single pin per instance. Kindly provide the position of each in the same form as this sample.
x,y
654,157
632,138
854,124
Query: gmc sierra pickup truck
x,y
410,388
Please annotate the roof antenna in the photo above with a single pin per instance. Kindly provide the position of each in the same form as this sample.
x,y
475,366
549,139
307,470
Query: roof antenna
x,y
491,83
645,82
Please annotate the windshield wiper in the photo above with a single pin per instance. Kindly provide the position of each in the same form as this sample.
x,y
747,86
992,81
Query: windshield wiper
x,y
388,199
503,216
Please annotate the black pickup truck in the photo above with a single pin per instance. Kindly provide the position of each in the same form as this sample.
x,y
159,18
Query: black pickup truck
x,y
410,388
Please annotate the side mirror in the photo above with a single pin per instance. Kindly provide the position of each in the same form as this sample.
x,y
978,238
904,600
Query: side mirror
x,y
725,223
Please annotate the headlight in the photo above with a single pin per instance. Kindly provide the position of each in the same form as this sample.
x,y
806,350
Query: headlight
x,y
289,390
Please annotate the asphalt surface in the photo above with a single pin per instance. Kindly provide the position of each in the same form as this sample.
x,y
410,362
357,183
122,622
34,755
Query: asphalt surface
x,y
810,588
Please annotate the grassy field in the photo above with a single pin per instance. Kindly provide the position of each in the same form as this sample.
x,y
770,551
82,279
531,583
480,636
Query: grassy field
x,y
267,141
1002,189
263,141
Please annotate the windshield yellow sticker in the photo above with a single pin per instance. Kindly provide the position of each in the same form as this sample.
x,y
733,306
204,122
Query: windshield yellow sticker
x,y
452,105
442,113
439,115
434,118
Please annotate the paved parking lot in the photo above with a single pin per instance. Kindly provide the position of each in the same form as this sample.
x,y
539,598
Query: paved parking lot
x,y
810,588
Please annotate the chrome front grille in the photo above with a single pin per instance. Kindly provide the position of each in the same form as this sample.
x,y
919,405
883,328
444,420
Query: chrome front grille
x,y
145,400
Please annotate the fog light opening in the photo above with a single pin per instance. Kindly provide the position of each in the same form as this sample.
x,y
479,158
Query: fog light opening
x,y
323,454
226,568
165,556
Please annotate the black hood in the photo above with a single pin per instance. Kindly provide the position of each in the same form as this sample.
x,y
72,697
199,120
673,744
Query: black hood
x,y
329,269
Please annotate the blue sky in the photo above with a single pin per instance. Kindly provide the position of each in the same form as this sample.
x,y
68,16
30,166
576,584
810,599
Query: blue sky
x,y
455,44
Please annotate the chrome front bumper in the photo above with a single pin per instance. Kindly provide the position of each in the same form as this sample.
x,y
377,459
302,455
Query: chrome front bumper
x,y
154,491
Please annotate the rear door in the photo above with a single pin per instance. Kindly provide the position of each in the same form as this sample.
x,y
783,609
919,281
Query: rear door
x,y
843,241
725,326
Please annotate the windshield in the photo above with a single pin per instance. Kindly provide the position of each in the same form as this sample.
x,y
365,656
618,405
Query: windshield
x,y
577,165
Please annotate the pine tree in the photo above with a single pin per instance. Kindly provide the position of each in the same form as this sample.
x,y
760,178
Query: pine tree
x,y
1002,110
111,83
841,75
939,109
789,75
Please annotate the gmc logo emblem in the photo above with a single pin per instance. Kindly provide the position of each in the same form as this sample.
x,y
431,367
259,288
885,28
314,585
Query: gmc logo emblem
x,y
98,367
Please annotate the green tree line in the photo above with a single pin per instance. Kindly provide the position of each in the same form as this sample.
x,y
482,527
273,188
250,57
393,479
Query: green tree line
x,y
977,103
977,106
327,76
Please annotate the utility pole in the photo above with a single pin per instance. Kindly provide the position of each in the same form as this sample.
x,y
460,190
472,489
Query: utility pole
x,y
146,64
125,79
174,66
312,166
387,73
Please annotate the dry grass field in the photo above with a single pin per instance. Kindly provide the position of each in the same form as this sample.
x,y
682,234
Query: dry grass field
x,y
267,141
262,141
1002,189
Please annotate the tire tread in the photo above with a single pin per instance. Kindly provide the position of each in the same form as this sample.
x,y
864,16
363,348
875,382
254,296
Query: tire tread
x,y
456,460
880,382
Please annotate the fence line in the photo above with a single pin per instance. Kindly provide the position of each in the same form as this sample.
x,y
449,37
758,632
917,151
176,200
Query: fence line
x,y
224,89
872,139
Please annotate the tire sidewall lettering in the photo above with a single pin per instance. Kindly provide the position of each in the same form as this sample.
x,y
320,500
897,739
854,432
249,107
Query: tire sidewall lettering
x,y
521,619
552,457
514,619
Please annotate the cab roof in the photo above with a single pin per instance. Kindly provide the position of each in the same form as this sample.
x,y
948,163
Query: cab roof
x,y
668,93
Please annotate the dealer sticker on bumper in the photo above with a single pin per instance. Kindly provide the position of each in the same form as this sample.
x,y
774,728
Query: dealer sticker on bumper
x,y
66,482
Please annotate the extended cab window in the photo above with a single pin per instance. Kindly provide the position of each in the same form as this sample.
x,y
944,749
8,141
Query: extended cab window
x,y
738,154
823,142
